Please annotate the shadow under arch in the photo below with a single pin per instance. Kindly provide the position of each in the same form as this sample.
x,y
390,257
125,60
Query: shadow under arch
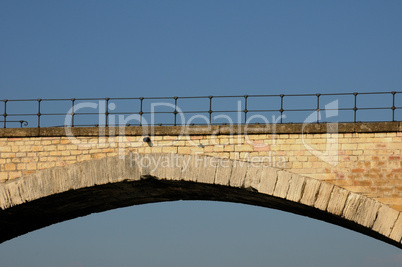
x,y
63,193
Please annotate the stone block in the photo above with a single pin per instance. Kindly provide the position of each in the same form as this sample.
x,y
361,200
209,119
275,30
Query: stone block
x,y
253,176
323,196
360,209
223,172
244,148
337,200
386,219
175,164
310,192
396,233
268,180
282,184
191,169
207,170
296,188
238,174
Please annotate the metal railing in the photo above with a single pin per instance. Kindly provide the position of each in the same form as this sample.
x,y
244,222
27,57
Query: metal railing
x,y
34,112
21,122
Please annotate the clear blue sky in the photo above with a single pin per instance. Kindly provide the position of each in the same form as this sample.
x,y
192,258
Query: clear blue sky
x,y
64,49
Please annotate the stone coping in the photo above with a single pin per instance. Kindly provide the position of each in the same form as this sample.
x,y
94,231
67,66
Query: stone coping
x,y
288,128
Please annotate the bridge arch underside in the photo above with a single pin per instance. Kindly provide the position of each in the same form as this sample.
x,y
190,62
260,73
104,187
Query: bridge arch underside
x,y
55,195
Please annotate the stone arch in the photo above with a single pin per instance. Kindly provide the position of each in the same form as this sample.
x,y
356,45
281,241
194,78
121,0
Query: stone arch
x,y
55,195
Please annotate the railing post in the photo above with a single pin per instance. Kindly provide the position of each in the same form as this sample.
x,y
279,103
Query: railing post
x,y
72,111
107,112
318,108
39,114
141,112
282,110
355,107
393,105
245,109
175,110
5,113
210,109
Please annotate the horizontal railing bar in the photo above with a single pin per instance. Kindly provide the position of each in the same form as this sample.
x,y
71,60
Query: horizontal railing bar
x,y
375,108
16,114
216,123
189,97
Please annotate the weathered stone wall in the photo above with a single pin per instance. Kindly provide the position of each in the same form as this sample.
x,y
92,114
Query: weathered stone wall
x,y
58,194
362,158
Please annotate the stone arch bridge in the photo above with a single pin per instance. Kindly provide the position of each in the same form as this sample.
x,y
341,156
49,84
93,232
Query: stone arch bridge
x,y
347,174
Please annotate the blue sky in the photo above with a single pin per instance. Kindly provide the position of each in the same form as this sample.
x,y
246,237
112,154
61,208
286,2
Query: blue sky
x,y
65,49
